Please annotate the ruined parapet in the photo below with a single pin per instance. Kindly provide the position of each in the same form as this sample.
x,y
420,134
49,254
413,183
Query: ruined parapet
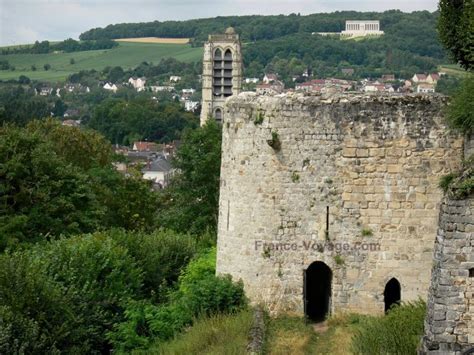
x,y
349,180
449,325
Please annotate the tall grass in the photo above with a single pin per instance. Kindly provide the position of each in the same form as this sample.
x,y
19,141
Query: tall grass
x,y
219,334
398,332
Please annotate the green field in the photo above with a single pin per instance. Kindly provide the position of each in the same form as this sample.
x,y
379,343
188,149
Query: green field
x,y
126,55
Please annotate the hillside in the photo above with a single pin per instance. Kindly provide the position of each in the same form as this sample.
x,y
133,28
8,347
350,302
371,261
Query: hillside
x,y
126,55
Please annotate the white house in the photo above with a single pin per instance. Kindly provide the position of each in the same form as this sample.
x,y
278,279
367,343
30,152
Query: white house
x,y
425,88
252,80
110,86
159,171
175,78
137,83
162,88
191,105
188,92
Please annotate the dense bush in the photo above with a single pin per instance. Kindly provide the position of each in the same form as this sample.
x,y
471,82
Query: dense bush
x,y
35,315
60,180
98,276
200,292
398,332
161,255
191,201
460,111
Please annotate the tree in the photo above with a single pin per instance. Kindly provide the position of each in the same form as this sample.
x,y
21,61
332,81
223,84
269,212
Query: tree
x,y
33,67
42,194
47,67
456,30
59,108
24,79
72,61
460,112
190,203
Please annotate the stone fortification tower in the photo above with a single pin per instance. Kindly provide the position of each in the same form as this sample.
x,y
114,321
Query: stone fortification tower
x,y
222,73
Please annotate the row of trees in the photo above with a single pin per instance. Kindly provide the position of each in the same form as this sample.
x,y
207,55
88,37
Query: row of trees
x,y
256,28
68,45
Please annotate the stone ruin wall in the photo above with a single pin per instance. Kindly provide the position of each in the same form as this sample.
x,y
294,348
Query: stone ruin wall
x,y
372,162
449,325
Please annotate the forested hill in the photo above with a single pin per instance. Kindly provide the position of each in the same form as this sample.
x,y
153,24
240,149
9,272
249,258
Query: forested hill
x,y
284,44
254,28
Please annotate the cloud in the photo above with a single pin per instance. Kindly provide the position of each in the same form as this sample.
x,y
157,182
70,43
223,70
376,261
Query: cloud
x,y
24,21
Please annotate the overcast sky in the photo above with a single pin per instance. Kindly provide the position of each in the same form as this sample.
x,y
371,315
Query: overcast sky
x,y
24,21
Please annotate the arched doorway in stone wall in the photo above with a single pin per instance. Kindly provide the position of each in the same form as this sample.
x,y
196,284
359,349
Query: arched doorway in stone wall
x,y
392,294
317,291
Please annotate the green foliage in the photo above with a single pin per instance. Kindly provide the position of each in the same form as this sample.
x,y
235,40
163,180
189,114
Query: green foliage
x,y
125,55
218,334
367,232
446,180
47,66
35,315
448,84
60,180
66,295
455,28
19,106
295,177
275,142
125,121
200,293
42,193
460,184
398,332
259,119
339,260
190,203
69,45
98,276
161,255
460,111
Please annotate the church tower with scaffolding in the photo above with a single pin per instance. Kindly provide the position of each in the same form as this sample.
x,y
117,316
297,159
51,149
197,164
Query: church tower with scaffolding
x,y
222,73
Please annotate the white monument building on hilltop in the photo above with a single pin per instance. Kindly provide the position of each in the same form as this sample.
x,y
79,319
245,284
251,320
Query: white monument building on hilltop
x,y
362,29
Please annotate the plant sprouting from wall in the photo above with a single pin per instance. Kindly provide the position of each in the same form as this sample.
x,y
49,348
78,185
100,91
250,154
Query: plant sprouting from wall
x,y
275,142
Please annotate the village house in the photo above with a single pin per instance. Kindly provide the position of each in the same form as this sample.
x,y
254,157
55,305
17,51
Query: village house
x,y
137,83
162,88
252,80
145,147
71,112
425,88
275,87
175,78
187,93
191,106
110,87
44,91
270,78
159,171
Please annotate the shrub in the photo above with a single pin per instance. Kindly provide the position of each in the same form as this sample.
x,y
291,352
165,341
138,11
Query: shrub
x,y
35,316
98,276
200,292
398,332
161,255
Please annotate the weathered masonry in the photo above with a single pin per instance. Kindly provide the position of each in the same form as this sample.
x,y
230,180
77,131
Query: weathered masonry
x,y
221,73
331,204
449,325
